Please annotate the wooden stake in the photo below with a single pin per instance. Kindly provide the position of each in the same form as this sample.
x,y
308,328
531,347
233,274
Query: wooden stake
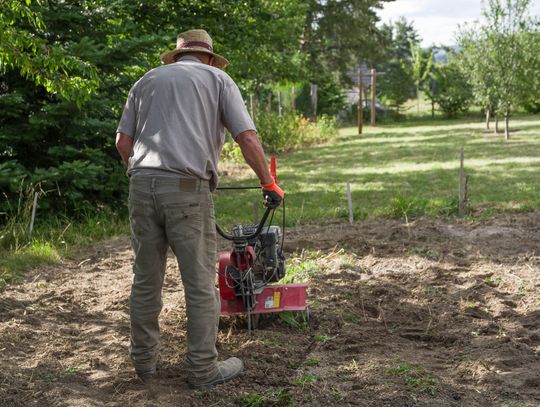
x,y
360,102
463,181
33,218
313,94
373,95
349,200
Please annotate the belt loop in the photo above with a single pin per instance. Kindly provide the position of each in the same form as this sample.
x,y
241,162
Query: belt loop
x,y
153,184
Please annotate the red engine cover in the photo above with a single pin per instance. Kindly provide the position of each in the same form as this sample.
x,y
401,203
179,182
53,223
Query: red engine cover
x,y
242,263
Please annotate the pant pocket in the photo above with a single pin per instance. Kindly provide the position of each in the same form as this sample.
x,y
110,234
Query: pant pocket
x,y
183,221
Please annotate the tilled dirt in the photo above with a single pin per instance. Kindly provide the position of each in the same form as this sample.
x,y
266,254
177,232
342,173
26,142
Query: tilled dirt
x,y
427,313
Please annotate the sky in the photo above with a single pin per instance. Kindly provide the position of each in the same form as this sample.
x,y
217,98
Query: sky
x,y
437,20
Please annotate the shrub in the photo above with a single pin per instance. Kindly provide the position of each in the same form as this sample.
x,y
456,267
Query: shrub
x,y
292,131
283,133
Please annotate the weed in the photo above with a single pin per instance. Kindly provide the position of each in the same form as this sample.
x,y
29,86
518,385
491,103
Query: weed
x,y
351,367
306,378
72,370
323,338
415,377
293,365
297,320
300,269
270,398
493,281
350,317
312,361
338,396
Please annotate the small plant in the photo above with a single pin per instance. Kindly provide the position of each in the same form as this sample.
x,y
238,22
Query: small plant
x,y
492,281
306,378
298,320
299,269
271,397
350,317
312,361
351,367
415,377
323,338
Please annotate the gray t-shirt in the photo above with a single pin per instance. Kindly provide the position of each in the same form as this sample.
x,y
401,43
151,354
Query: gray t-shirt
x,y
177,115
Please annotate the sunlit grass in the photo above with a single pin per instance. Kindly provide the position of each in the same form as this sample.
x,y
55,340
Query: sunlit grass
x,y
403,170
52,239
35,253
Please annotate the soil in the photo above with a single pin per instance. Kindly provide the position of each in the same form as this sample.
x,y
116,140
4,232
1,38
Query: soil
x,y
426,313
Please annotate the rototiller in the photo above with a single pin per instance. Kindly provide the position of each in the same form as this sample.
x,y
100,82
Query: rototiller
x,y
248,273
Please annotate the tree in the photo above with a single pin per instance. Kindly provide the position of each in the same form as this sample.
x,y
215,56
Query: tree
x,y
420,65
497,56
338,34
25,48
450,89
397,84
58,120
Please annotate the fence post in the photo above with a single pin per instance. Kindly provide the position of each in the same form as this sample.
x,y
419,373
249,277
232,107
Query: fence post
x,y
313,94
33,218
360,102
463,187
349,201
373,96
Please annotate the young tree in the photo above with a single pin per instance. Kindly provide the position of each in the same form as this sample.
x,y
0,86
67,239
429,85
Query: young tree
x,y
397,84
497,55
421,64
450,91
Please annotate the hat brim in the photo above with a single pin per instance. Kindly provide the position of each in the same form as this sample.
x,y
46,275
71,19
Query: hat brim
x,y
169,57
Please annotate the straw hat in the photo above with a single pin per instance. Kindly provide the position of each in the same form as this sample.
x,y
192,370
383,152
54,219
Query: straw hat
x,y
194,41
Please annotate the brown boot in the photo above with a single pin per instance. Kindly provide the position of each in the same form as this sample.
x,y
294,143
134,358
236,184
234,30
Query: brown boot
x,y
226,371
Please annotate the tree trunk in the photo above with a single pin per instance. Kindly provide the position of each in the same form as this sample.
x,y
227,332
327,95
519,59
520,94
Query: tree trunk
x,y
506,125
488,117
496,124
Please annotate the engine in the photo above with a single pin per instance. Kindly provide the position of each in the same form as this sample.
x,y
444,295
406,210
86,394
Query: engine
x,y
269,264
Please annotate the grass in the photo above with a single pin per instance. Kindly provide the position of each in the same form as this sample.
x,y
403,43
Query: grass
x,y
272,397
51,240
403,170
400,170
415,378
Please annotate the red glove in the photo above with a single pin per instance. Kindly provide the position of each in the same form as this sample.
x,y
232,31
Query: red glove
x,y
272,194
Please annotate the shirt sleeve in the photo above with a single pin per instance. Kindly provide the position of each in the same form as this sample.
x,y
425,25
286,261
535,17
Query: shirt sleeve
x,y
128,122
234,113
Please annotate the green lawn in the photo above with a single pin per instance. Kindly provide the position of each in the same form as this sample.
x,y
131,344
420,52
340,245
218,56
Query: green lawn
x,y
404,169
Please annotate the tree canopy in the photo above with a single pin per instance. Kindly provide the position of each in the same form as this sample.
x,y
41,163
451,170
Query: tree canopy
x,y
67,66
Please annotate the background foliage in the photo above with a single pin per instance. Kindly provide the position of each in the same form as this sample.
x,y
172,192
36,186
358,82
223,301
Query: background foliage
x,y
67,66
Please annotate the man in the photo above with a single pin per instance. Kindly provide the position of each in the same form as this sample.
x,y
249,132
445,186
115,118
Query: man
x,y
170,137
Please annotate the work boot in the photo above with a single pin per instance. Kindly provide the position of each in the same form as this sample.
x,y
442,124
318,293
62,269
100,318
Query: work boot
x,y
148,375
226,371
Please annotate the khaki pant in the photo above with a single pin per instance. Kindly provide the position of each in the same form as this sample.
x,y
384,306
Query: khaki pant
x,y
175,212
